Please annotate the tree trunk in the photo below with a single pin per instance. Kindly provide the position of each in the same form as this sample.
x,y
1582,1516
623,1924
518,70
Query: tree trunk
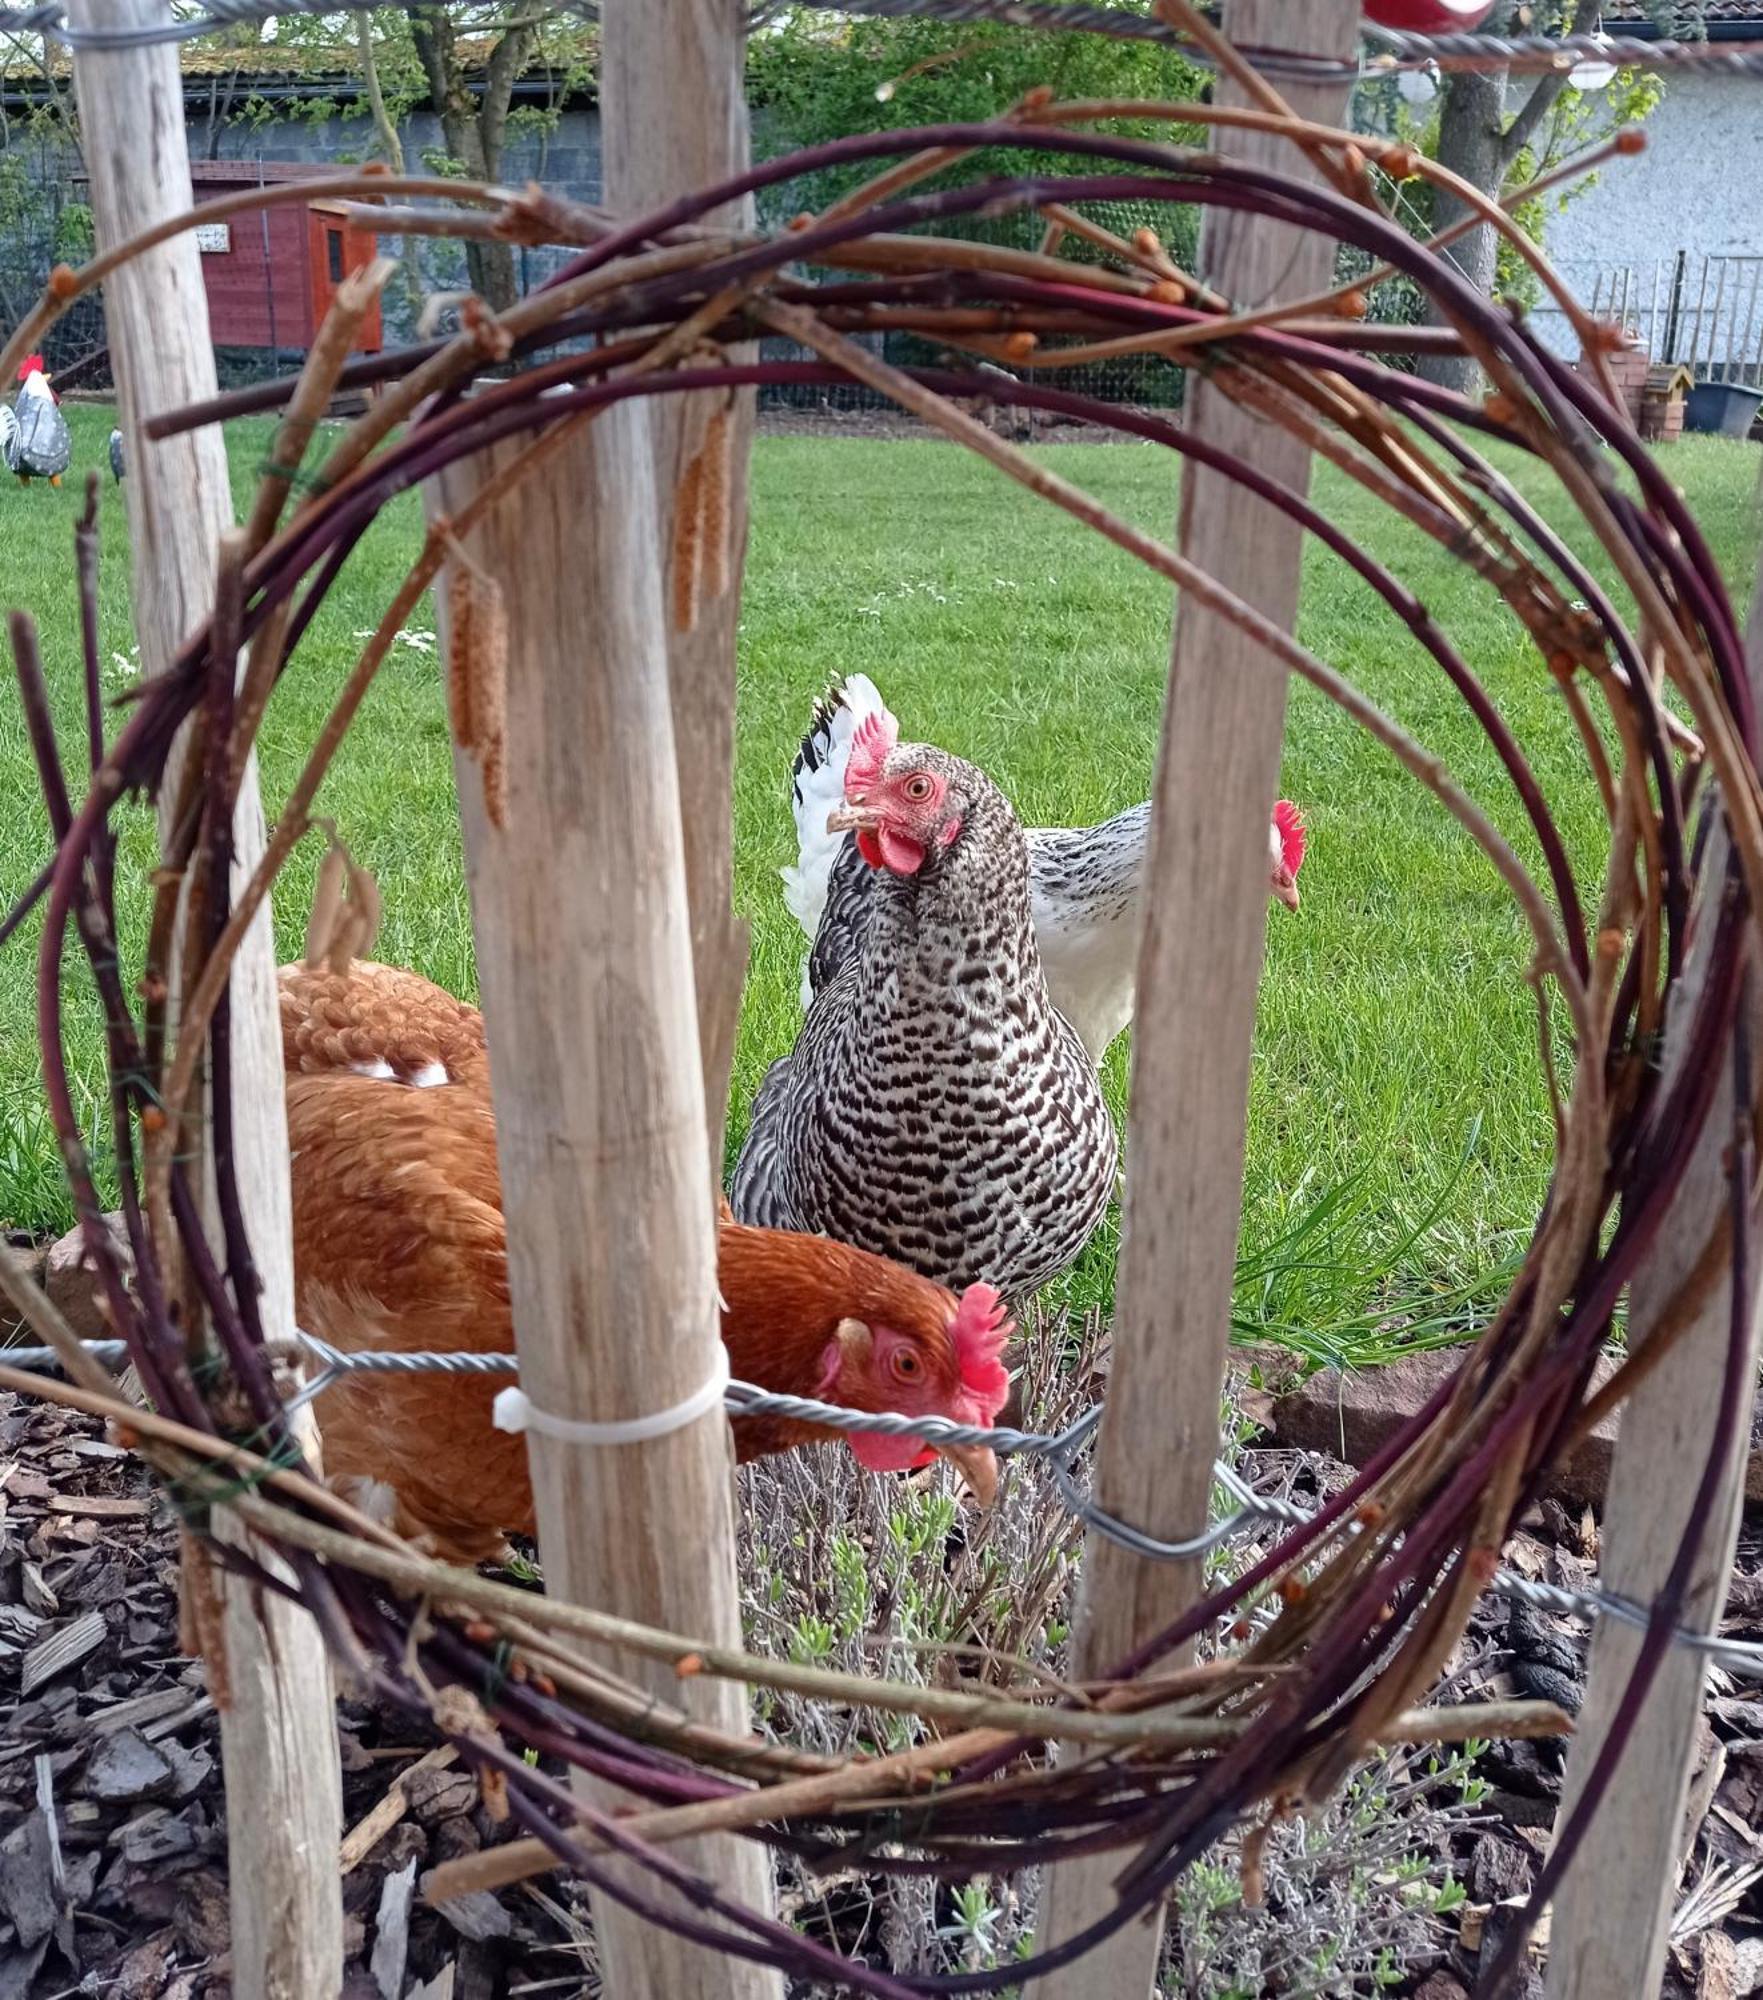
x,y
1471,144
475,129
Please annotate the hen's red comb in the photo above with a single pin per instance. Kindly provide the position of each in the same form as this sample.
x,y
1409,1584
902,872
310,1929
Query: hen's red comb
x,y
979,1329
31,365
1292,834
871,741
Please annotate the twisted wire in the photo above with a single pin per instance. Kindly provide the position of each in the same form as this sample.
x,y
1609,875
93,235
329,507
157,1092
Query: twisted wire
x,y
1058,1450
1402,49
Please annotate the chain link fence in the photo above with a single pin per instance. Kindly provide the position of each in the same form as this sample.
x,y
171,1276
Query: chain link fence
x,y
45,220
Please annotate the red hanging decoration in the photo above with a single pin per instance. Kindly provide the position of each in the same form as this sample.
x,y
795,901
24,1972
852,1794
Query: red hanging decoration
x,y
1429,17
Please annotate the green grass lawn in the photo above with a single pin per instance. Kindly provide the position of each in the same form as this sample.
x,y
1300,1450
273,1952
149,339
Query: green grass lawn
x,y
1398,1142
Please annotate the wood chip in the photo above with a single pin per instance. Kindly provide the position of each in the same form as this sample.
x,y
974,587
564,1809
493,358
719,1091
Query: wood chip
x,y
99,1506
96,1448
195,1705
62,1649
478,1916
27,1886
1719,1973
391,1941
367,1832
126,1767
137,1712
19,1626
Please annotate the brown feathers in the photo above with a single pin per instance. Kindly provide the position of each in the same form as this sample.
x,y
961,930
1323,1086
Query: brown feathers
x,y
399,1244
378,1021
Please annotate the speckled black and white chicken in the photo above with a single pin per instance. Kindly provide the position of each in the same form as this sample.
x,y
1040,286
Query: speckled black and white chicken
x,y
1083,880
936,1108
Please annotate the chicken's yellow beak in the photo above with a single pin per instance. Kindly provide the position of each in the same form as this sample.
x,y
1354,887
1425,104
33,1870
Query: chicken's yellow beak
x,y
977,1466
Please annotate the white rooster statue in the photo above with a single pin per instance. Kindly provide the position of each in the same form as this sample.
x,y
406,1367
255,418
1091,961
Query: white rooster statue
x,y
1083,881
37,444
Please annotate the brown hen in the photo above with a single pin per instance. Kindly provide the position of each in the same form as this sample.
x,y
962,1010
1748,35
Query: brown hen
x,y
399,1243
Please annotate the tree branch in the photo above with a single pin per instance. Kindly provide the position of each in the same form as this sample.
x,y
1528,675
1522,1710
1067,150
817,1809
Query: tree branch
x,y
1520,132
428,25
508,59
390,143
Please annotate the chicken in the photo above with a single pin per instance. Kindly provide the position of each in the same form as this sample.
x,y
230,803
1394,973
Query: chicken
x,y
936,1107
1083,881
378,1021
40,446
116,456
399,1244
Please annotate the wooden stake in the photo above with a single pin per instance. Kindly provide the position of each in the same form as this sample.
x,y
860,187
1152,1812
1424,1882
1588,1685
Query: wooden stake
x,y
674,112
278,1733
1612,1917
584,959
1199,970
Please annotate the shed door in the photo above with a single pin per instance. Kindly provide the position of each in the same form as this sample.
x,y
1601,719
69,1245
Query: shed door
x,y
326,249
334,252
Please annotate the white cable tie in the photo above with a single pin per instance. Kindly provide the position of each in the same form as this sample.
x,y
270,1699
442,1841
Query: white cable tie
x,y
513,1411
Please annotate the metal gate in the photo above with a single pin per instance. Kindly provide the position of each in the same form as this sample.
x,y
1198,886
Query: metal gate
x,y
1705,311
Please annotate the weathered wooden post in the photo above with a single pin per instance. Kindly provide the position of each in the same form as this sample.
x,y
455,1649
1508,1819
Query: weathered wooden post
x,y
278,1732
1217,777
584,960
611,967
1612,1917
673,106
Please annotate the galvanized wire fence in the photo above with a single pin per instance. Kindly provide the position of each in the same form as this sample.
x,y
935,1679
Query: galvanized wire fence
x,y
1064,1455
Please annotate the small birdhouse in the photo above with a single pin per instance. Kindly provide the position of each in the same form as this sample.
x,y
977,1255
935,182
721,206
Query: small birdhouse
x,y
1662,401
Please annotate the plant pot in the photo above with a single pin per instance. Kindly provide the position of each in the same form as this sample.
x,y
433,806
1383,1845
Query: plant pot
x,y
1723,408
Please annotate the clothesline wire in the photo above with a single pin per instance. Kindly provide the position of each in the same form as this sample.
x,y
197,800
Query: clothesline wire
x,y
1057,1450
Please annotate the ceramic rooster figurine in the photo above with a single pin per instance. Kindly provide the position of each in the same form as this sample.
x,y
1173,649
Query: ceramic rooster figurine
x,y
40,446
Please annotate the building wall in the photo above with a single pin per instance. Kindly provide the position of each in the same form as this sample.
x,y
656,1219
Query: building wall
x,y
570,160
569,163
1695,188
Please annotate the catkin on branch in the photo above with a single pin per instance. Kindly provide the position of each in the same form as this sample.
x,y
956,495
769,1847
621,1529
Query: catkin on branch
x,y
364,895
687,569
477,679
717,455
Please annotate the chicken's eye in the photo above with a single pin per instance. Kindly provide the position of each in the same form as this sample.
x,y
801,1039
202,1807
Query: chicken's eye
x,y
918,788
905,1364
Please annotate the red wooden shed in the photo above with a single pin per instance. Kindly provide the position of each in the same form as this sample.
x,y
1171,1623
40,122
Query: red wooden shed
x,y
270,274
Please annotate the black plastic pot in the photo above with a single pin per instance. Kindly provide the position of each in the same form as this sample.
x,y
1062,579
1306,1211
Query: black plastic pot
x,y
1724,408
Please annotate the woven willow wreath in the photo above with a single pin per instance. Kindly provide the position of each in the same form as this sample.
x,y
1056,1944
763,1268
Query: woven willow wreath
x,y
1379,1586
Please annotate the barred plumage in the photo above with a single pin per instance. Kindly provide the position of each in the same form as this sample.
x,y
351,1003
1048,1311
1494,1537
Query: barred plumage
x,y
936,1107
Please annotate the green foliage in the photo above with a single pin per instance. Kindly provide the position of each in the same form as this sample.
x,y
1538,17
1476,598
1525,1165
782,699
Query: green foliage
x,y
75,239
810,81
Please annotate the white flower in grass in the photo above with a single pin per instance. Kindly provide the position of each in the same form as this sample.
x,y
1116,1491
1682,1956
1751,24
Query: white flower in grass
x,y
418,642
